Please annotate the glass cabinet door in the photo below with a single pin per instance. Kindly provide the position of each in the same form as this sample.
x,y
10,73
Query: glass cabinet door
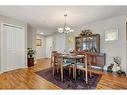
x,y
89,43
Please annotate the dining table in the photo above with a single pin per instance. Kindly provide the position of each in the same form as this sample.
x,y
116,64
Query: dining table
x,y
73,58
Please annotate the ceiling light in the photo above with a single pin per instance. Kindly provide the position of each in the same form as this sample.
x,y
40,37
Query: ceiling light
x,y
65,29
41,33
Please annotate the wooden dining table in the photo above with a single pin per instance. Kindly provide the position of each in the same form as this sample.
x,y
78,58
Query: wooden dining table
x,y
74,59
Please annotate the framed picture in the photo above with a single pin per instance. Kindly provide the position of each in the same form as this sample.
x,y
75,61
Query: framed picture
x,y
38,42
111,35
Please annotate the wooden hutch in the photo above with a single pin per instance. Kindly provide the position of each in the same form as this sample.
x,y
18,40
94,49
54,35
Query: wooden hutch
x,y
91,44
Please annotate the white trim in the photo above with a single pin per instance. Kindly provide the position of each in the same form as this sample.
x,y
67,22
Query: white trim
x,y
35,61
1,47
1,44
13,25
1,72
25,30
39,58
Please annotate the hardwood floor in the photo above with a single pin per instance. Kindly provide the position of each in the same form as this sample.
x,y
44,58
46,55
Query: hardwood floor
x,y
27,79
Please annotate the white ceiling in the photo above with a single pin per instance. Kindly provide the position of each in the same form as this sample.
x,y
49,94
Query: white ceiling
x,y
48,18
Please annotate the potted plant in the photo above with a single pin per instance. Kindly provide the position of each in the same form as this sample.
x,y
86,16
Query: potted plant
x,y
30,56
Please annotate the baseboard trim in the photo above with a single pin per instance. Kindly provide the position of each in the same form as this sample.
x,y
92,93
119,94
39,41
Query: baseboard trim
x,y
40,58
1,72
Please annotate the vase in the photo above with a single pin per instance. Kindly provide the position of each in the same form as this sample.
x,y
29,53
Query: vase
x,y
118,68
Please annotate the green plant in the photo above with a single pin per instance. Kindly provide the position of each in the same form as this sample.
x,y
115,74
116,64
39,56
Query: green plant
x,y
30,53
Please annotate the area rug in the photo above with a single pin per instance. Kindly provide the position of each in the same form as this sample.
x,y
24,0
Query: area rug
x,y
69,82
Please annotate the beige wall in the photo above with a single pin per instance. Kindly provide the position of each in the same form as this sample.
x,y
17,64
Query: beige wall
x,y
113,48
40,50
31,37
31,41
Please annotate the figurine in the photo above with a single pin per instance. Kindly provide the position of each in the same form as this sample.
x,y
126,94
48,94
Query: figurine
x,y
109,69
121,73
117,60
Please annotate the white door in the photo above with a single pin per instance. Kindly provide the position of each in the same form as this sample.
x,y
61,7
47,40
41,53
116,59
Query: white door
x,y
49,46
13,47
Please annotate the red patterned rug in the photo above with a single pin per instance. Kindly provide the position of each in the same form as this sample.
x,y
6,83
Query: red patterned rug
x,y
68,82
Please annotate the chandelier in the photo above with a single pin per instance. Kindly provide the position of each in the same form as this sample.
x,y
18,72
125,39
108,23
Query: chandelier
x,y
65,28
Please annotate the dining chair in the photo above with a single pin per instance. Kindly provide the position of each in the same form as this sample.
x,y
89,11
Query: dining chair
x,y
52,58
84,65
97,59
59,63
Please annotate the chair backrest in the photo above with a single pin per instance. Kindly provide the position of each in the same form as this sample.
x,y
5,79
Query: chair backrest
x,y
73,52
81,52
54,52
55,58
85,59
52,55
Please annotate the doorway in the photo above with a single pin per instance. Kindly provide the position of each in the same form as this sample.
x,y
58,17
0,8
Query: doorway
x,y
12,47
49,46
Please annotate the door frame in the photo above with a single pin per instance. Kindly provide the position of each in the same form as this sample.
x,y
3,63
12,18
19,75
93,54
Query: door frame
x,y
51,47
1,45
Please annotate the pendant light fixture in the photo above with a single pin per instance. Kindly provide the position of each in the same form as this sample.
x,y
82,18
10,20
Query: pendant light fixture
x,y
66,29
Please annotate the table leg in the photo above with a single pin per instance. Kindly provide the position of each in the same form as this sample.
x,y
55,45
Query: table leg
x,y
73,71
79,72
69,71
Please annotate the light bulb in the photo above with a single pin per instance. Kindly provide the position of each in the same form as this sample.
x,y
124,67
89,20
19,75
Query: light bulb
x,y
71,30
60,30
67,29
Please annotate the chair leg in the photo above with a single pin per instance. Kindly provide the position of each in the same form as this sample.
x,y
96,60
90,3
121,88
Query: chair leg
x,y
53,71
61,73
90,73
86,77
57,70
51,64
79,72
69,71
73,71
